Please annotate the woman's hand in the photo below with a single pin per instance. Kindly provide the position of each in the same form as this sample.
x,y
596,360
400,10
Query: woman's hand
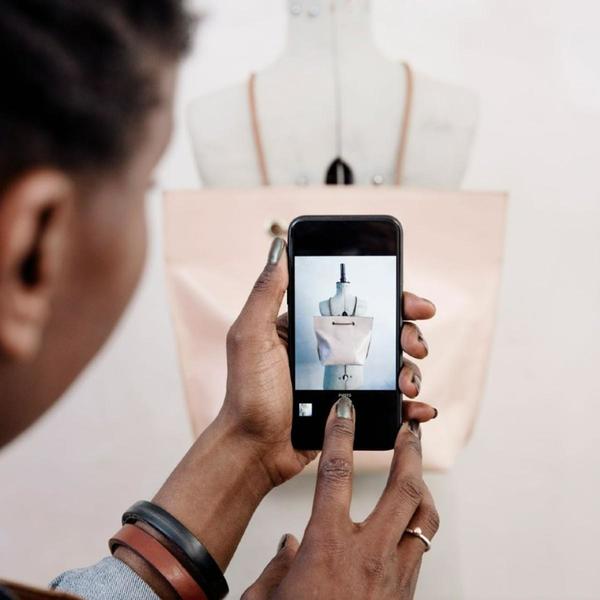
x,y
346,560
247,450
258,402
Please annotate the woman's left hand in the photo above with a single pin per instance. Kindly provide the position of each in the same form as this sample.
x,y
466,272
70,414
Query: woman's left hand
x,y
258,402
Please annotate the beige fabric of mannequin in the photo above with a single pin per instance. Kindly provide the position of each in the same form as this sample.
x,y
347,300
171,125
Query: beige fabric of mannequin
x,y
257,135
216,243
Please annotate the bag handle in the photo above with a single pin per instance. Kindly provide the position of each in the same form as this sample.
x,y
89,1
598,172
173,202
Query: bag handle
x,y
256,134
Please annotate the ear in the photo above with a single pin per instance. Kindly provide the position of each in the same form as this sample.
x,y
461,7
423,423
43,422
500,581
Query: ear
x,y
34,213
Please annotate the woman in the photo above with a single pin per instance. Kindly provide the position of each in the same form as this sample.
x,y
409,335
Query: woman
x,y
85,114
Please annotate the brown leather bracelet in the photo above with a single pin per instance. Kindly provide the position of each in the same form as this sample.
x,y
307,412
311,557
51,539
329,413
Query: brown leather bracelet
x,y
156,555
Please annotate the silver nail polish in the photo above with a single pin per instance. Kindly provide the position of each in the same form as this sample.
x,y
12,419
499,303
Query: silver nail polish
x,y
276,251
344,408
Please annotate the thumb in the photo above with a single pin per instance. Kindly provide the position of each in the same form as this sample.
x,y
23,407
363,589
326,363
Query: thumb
x,y
266,296
275,571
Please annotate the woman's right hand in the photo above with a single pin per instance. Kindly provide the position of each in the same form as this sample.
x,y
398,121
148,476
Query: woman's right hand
x,y
342,559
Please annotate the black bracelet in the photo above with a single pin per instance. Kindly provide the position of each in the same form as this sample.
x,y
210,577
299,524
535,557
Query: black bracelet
x,y
195,557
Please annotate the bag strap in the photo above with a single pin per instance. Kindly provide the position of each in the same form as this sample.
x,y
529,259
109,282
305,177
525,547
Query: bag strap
x,y
256,134
402,143
405,126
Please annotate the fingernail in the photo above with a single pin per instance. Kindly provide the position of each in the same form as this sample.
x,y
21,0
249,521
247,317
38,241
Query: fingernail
x,y
343,408
276,251
436,412
415,427
282,542
424,343
416,380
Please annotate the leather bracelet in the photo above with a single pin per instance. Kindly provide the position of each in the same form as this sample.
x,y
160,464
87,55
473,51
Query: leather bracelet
x,y
194,556
156,555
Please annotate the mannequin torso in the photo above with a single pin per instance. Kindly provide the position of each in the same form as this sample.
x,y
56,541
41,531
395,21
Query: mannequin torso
x,y
297,111
345,377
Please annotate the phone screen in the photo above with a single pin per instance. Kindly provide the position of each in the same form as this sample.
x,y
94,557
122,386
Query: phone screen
x,y
345,321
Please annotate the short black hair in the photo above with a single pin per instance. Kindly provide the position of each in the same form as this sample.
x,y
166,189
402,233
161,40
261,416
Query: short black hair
x,y
78,78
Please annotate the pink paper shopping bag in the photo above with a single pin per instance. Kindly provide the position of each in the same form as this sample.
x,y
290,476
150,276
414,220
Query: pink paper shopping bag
x,y
215,247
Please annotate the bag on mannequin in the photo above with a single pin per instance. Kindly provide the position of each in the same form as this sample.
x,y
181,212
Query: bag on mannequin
x,y
215,245
343,340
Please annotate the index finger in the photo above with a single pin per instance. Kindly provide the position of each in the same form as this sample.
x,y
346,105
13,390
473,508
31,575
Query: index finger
x,y
416,308
333,492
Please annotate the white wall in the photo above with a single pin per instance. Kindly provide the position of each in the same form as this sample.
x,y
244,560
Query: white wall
x,y
520,510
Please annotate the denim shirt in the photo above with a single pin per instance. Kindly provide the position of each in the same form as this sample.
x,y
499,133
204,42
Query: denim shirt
x,y
110,579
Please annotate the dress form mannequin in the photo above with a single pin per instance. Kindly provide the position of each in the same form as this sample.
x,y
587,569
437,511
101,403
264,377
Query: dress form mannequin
x,y
330,41
344,303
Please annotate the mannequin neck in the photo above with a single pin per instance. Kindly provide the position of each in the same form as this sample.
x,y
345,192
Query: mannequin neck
x,y
314,26
341,289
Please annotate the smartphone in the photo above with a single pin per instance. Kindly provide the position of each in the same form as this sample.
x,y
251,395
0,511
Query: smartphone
x,y
345,317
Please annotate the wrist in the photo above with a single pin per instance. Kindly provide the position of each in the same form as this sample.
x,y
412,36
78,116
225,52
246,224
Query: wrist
x,y
244,449
269,445
153,578
216,488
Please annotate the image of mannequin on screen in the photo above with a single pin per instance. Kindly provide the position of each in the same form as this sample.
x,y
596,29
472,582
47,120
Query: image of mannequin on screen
x,y
349,343
343,343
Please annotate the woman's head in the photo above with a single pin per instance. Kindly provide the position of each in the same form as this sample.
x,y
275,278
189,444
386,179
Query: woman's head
x,y
85,114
